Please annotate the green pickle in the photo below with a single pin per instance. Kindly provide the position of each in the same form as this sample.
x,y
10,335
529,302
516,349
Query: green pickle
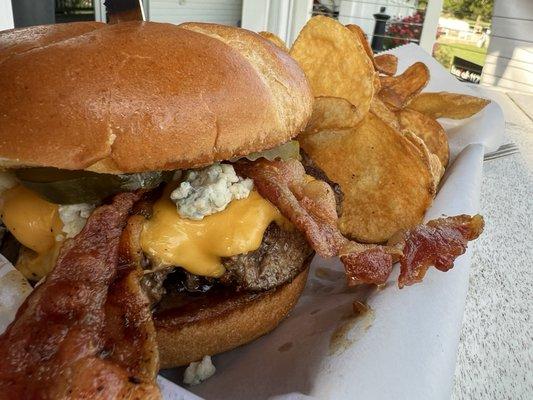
x,y
285,151
72,187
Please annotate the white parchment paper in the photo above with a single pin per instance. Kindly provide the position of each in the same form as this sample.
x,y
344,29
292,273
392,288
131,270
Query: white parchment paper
x,y
405,348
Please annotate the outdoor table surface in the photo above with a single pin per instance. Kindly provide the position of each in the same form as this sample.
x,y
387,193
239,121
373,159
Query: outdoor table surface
x,y
495,357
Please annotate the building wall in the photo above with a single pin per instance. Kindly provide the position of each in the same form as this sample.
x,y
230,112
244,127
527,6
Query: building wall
x,y
226,12
31,12
6,15
509,62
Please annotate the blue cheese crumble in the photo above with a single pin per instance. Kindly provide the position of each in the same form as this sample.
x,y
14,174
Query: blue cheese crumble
x,y
209,190
199,371
74,217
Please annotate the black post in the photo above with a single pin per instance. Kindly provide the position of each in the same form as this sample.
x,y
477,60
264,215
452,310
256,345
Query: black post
x,y
379,29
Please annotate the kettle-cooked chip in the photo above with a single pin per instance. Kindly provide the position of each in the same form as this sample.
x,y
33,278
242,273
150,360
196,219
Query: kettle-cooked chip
x,y
399,90
381,110
333,113
356,29
386,63
334,62
448,105
386,180
427,129
435,166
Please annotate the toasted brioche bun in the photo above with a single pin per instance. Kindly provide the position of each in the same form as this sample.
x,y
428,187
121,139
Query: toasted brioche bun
x,y
144,96
214,325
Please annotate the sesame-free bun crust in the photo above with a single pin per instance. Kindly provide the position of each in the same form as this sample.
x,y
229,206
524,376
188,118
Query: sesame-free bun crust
x,y
143,96
219,324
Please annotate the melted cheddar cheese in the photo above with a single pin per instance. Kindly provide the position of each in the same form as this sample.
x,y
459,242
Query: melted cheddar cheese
x,y
32,220
198,245
35,223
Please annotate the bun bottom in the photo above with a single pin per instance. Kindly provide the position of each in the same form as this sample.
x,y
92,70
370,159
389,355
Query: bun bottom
x,y
190,328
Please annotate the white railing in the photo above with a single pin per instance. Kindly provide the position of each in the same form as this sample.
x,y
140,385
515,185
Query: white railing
x,y
361,12
287,17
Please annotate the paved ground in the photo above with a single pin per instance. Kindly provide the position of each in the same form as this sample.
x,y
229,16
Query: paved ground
x,y
495,359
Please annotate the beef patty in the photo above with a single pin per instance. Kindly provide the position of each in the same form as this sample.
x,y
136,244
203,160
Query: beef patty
x,y
280,257
278,260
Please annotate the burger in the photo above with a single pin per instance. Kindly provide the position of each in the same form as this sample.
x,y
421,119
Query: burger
x,y
91,110
153,193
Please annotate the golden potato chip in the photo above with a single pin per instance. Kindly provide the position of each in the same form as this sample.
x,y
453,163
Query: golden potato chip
x,y
448,105
386,63
381,110
275,39
332,113
399,90
435,166
377,83
385,81
427,129
362,39
387,183
334,62
437,170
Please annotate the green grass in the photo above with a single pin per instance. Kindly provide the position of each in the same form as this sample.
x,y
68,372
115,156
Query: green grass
x,y
447,49
471,22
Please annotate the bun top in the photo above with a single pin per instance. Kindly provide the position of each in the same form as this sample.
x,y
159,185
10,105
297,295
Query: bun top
x,y
144,96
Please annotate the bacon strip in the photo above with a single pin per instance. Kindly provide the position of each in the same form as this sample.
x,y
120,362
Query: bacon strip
x,y
129,330
372,265
438,243
59,344
309,205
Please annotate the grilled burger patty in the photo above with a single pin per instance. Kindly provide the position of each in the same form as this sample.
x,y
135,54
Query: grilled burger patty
x,y
279,258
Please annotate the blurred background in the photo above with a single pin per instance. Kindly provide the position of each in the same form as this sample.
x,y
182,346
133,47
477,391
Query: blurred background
x,y
478,41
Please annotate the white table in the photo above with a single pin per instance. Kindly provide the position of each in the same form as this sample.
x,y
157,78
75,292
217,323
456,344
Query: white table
x,y
495,358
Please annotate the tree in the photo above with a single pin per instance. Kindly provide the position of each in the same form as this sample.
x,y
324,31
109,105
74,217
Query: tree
x,y
470,9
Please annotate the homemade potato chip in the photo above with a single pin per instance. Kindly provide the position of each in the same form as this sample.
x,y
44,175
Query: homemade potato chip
x,y
333,113
381,110
448,105
387,183
334,62
437,170
427,129
377,83
399,90
356,29
386,63
386,80
435,166
275,39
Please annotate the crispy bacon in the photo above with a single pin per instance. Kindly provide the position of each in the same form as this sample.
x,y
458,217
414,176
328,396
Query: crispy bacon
x,y
438,243
308,204
129,330
61,343
367,266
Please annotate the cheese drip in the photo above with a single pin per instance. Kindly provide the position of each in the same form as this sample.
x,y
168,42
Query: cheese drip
x,y
35,223
198,245
32,220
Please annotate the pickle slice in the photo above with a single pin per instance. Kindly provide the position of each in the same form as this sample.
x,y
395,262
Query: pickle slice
x,y
72,187
285,151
